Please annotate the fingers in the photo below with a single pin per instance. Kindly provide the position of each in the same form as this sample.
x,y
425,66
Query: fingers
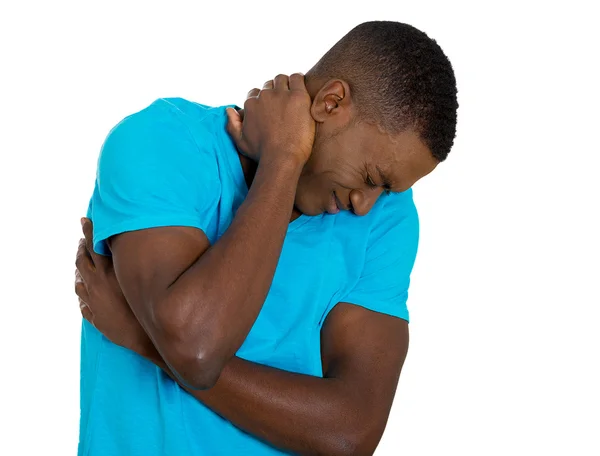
x,y
234,127
88,232
297,82
82,293
253,93
281,82
234,122
86,312
83,261
80,287
99,261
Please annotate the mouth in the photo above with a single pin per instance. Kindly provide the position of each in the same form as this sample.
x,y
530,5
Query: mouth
x,y
335,205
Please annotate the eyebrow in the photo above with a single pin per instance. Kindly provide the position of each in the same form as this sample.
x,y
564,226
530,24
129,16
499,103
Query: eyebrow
x,y
387,183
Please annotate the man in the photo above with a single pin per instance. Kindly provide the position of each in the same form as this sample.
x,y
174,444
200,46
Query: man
x,y
269,315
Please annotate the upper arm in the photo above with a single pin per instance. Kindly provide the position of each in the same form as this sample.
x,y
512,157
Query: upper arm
x,y
366,351
148,261
364,338
156,192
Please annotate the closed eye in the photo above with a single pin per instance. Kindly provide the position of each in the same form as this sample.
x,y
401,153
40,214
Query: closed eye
x,y
369,181
387,186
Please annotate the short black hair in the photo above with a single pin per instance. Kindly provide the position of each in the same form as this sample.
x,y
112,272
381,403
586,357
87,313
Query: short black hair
x,y
399,78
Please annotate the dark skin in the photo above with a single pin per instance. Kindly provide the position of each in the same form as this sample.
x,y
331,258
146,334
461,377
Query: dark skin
x,y
353,160
343,413
177,286
346,411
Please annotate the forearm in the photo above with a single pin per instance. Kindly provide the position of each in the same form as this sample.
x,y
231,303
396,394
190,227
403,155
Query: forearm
x,y
299,413
227,286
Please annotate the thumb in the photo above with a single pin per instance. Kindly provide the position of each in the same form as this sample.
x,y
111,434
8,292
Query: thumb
x,y
234,124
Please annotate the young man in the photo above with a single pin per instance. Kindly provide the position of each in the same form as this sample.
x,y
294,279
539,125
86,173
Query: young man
x,y
229,252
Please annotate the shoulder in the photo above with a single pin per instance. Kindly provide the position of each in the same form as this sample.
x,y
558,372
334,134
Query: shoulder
x,y
398,206
151,129
396,213
170,132
170,118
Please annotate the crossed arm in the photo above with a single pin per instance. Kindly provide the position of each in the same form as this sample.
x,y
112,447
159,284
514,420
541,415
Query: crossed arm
x,y
344,413
168,294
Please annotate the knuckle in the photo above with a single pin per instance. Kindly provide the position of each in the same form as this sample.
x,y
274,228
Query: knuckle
x,y
87,314
79,290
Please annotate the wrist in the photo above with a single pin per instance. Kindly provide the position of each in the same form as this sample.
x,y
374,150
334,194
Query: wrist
x,y
287,167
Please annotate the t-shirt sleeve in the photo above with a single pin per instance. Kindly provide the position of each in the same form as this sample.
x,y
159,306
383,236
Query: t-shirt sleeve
x,y
152,173
389,259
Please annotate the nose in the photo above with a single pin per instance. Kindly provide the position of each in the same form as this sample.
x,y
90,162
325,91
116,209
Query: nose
x,y
363,200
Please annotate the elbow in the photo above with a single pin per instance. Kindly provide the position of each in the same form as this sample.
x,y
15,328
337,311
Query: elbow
x,y
360,439
191,353
195,370
351,446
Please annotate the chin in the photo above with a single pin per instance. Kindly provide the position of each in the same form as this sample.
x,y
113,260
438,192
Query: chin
x,y
313,213
310,212
307,209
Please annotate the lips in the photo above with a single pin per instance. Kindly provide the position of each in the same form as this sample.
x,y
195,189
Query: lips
x,y
336,205
333,207
339,204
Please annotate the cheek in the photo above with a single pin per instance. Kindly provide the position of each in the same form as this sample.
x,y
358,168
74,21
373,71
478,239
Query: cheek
x,y
316,174
313,184
327,180
325,155
328,169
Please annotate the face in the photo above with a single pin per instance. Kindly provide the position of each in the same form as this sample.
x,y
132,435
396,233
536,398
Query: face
x,y
353,163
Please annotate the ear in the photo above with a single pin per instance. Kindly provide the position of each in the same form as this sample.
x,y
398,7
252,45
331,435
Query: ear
x,y
333,99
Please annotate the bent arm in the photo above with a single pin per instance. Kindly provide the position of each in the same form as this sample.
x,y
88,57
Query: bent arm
x,y
344,413
198,302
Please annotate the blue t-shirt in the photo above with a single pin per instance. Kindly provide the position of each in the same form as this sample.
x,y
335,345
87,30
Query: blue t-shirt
x,y
174,164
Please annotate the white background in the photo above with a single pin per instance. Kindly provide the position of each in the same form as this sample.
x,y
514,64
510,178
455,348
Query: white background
x,y
504,356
